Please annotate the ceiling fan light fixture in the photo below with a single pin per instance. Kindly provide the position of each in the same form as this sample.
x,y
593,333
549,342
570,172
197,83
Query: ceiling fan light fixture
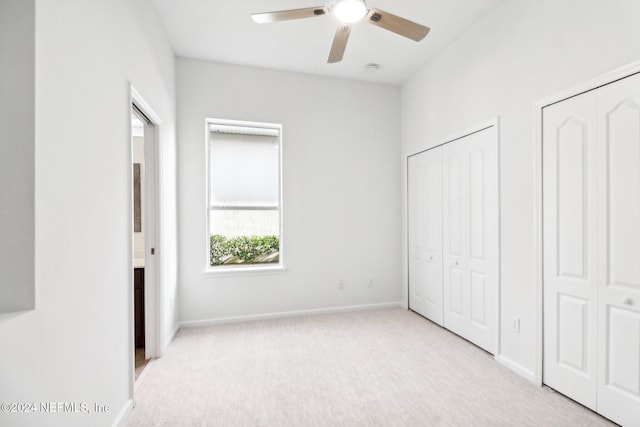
x,y
350,11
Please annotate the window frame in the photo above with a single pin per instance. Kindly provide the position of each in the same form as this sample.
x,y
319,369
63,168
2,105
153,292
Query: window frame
x,y
230,270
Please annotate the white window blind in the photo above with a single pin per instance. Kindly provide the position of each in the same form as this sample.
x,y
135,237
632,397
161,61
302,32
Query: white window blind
x,y
244,185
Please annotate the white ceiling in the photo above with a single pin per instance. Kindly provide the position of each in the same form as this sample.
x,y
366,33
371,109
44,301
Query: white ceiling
x,y
222,30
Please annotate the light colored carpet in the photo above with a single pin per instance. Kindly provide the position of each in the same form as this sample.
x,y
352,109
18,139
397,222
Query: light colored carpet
x,y
368,368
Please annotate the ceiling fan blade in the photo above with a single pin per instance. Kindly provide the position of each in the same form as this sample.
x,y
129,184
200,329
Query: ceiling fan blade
x,y
339,43
398,25
285,15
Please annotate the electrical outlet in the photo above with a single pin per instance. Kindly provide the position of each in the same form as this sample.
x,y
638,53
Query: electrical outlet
x,y
341,284
515,324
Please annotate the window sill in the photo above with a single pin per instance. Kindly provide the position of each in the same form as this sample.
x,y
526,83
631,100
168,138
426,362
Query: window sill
x,y
254,270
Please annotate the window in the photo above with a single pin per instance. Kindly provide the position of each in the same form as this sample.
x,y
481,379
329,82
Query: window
x,y
244,194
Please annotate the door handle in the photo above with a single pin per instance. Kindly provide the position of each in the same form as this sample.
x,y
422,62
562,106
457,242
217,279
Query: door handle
x,y
626,301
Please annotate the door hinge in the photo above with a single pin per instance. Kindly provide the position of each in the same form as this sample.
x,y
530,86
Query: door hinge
x,y
153,251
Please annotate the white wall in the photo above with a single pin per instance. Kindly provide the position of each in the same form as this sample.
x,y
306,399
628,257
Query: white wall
x,y
76,346
17,158
520,52
341,197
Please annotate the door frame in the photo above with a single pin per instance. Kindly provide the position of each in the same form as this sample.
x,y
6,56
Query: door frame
x,y
494,122
579,89
153,275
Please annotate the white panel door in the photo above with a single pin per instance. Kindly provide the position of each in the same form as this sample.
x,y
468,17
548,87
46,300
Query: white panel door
x,y
425,233
619,273
591,174
470,237
570,251
454,171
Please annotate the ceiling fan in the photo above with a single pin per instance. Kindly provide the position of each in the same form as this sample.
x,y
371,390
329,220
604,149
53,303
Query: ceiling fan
x,y
348,12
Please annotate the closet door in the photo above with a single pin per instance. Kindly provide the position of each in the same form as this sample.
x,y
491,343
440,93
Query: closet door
x,y
570,250
470,239
425,233
591,215
455,249
619,237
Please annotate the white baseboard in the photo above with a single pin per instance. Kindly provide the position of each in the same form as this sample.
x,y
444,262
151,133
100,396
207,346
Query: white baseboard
x,y
237,319
123,414
517,368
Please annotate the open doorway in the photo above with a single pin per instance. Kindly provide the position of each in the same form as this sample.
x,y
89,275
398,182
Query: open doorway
x,y
143,155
